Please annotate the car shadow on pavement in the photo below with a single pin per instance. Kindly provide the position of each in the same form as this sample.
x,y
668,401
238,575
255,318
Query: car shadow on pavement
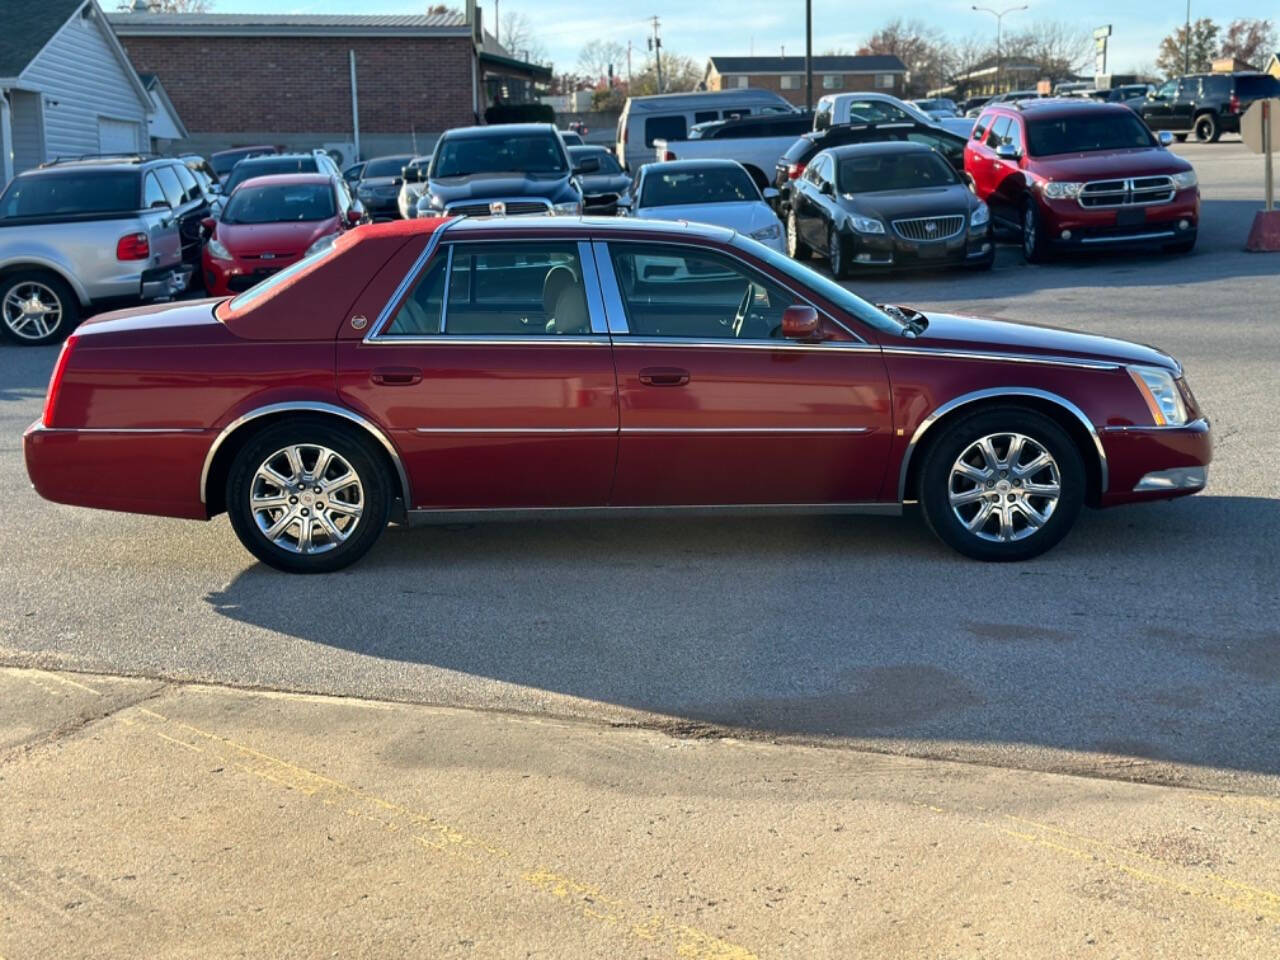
x,y
1151,632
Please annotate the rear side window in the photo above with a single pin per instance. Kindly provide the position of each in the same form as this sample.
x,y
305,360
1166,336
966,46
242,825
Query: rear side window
x,y
190,188
998,133
664,128
705,116
1254,87
1215,87
46,195
170,185
152,195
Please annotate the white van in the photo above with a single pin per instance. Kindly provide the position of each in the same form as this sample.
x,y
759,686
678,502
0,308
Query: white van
x,y
669,116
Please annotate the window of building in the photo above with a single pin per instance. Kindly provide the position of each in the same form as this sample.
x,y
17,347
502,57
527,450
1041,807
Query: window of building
x,y
792,82
741,82
884,81
832,81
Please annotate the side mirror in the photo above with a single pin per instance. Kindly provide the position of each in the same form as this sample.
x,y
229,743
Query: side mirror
x,y
771,194
207,225
1007,151
825,187
968,178
1165,138
588,165
800,322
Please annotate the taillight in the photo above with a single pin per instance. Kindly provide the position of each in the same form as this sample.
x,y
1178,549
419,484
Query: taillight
x,y
55,381
1234,104
794,170
668,155
133,246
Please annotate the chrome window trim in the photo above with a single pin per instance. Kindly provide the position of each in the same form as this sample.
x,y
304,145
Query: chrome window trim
x,y
987,394
502,339
591,286
307,406
729,253
1055,361
402,287
610,292
732,344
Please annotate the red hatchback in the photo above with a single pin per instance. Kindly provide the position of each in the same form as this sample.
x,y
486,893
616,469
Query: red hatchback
x,y
1081,174
269,223
480,367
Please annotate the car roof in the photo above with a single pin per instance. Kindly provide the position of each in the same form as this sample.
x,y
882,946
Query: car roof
x,y
672,101
285,180
107,162
677,166
878,147
497,129
1061,107
275,158
577,148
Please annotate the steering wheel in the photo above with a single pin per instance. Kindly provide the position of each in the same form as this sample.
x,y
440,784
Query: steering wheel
x,y
744,308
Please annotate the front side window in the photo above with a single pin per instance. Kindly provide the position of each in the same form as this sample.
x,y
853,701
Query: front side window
x,y
152,195
664,128
1167,90
998,132
728,184
672,291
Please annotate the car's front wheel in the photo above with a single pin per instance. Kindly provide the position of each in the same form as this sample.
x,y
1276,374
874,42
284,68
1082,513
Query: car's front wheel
x,y
837,253
37,307
797,249
1207,129
308,496
1003,484
1032,235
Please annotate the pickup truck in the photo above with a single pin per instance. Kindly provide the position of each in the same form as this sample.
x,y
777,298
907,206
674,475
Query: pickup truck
x,y
756,142
94,233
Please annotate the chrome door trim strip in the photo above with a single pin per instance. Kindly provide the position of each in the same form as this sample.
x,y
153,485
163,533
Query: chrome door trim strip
x,y
503,340
591,286
306,406
145,430
987,394
402,287
743,344
480,515
704,430
502,431
615,311
1053,361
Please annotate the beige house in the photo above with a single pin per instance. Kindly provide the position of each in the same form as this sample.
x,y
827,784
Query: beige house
x,y
786,75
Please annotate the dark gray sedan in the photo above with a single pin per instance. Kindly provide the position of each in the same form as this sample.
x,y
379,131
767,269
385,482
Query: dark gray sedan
x,y
600,189
885,205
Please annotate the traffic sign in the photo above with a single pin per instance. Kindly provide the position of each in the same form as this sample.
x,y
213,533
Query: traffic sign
x,y
1252,121
1258,128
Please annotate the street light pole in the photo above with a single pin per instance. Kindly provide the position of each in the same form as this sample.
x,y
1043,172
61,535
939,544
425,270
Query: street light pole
x,y
1186,44
1000,15
808,55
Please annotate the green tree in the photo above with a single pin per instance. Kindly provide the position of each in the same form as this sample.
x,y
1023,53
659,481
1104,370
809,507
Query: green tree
x,y
1181,52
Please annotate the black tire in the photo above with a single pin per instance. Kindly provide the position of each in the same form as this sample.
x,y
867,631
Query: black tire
x,y
1207,129
1180,137
1032,234
838,253
308,433
52,292
1182,246
1038,431
797,249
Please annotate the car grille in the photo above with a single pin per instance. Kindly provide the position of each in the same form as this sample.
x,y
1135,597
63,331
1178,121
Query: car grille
x,y
928,228
243,281
1135,191
480,208
600,200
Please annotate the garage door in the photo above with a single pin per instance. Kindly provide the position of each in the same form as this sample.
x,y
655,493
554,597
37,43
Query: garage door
x,y
117,136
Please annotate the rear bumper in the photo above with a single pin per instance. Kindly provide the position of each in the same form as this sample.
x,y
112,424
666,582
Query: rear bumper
x,y
165,282
1156,463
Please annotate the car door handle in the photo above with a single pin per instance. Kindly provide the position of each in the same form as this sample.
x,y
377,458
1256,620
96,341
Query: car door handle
x,y
396,376
664,377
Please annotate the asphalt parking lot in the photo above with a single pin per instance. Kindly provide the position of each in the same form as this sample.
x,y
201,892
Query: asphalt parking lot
x,y
1144,647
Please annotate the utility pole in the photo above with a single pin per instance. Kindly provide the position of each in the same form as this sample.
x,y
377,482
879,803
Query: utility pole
x,y
628,67
1186,45
655,44
497,23
1000,15
808,55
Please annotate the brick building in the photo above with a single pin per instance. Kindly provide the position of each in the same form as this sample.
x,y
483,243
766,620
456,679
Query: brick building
x,y
303,81
786,75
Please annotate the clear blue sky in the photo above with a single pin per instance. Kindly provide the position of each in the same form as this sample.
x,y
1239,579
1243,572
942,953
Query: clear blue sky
x,y
704,27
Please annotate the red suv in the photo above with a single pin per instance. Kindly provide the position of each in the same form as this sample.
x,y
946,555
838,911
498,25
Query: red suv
x,y
1081,174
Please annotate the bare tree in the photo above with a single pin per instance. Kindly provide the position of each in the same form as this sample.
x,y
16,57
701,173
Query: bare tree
x,y
519,37
1059,50
167,6
1180,53
679,74
1251,41
920,46
596,56
967,54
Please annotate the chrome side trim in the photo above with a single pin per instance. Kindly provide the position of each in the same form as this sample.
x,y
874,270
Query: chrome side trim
x,y
500,340
731,344
150,430
1131,237
1053,361
503,431
465,515
615,312
306,406
1176,478
591,286
987,394
403,286
705,430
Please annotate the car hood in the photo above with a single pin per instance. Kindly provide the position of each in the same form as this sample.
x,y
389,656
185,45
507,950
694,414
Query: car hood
x,y
947,331
746,217
251,239
483,186
1104,164
928,202
604,183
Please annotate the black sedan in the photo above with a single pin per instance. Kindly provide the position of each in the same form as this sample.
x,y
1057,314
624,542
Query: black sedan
x,y
379,185
601,188
882,205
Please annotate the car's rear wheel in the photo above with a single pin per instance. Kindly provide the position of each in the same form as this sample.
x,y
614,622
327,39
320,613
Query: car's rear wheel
x,y
1207,128
797,249
837,254
37,307
308,496
1004,484
1032,236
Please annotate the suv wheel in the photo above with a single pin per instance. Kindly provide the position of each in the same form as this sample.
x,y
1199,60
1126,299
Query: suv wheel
x,y
308,496
1003,484
1207,129
37,307
1032,237
797,249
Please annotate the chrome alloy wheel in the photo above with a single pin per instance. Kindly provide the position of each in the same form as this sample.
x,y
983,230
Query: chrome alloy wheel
x,y
32,310
1004,487
793,235
306,499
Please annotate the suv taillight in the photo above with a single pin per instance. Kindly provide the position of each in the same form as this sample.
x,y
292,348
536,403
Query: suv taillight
x,y
133,246
794,170
668,155
1234,104
55,381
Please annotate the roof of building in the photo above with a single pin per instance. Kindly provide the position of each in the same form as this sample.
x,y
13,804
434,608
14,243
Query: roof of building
x,y
863,63
27,28
272,24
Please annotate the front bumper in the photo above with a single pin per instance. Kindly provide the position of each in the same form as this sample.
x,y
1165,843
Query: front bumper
x,y
225,278
890,251
1066,224
1156,463
164,282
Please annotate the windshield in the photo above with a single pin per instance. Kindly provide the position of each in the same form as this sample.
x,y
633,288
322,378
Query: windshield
x,y
807,277
384,167
267,168
281,203
711,185
1087,133
513,153
44,195
608,163
868,173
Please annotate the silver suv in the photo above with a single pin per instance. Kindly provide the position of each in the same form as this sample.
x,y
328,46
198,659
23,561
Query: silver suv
x,y
95,232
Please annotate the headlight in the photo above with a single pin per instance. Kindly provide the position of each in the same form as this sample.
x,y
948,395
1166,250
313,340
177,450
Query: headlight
x,y
981,215
1062,189
218,251
1161,393
324,243
571,209
867,224
771,232
1185,180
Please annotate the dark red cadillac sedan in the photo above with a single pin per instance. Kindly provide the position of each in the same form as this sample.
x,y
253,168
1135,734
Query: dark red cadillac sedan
x,y
481,367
